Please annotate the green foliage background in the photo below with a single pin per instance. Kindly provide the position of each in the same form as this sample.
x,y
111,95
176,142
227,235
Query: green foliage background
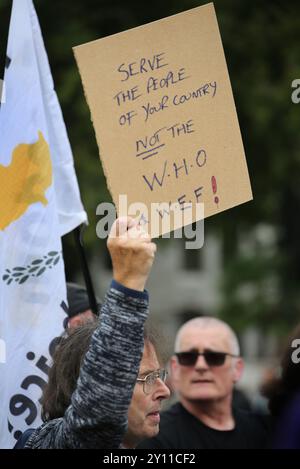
x,y
262,46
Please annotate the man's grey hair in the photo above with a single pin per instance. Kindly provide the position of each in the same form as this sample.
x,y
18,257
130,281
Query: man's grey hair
x,y
208,322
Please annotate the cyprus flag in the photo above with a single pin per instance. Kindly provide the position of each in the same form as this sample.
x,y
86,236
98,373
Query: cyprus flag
x,y
39,202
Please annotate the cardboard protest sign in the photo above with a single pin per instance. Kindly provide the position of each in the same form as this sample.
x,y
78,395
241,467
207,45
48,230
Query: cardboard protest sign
x,y
164,116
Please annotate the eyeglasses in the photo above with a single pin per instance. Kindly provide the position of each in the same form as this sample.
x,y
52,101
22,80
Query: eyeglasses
x,y
212,358
150,380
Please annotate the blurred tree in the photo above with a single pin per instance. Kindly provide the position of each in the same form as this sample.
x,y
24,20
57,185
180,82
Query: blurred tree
x,y
261,42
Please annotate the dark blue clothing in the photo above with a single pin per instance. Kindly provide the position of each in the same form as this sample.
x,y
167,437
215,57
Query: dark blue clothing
x,y
181,430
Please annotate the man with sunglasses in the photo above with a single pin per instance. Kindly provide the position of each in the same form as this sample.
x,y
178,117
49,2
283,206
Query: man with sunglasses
x,y
205,367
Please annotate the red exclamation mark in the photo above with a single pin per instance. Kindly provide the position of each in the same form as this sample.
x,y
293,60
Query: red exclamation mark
x,y
214,188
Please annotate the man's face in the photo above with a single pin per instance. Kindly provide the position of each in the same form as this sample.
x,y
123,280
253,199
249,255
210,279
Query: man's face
x,y
144,409
202,382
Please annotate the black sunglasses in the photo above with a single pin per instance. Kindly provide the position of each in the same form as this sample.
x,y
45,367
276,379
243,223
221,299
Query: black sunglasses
x,y
212,358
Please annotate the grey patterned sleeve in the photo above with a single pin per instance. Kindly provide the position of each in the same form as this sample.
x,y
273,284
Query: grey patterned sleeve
x,y
97,416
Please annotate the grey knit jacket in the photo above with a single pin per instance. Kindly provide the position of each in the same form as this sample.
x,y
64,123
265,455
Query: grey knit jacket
x,y
97,415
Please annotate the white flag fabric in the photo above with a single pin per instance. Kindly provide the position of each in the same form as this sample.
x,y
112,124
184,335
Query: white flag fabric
x,y
39,202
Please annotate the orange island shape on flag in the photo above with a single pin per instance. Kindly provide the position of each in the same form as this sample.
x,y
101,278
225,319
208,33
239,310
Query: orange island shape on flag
x,y
25,180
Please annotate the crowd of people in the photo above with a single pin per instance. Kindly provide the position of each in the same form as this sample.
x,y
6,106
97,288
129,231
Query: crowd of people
x,y
109,376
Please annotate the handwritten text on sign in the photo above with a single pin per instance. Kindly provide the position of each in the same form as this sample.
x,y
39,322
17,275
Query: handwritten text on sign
x,y
164,114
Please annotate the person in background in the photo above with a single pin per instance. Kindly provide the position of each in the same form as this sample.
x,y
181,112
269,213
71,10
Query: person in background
x,y
205,368
79,310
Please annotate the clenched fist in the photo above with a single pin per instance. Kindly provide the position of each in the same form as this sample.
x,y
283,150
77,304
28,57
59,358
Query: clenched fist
x,y
132,253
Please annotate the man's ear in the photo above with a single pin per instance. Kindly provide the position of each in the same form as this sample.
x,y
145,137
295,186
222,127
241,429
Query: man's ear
x,y
238,369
